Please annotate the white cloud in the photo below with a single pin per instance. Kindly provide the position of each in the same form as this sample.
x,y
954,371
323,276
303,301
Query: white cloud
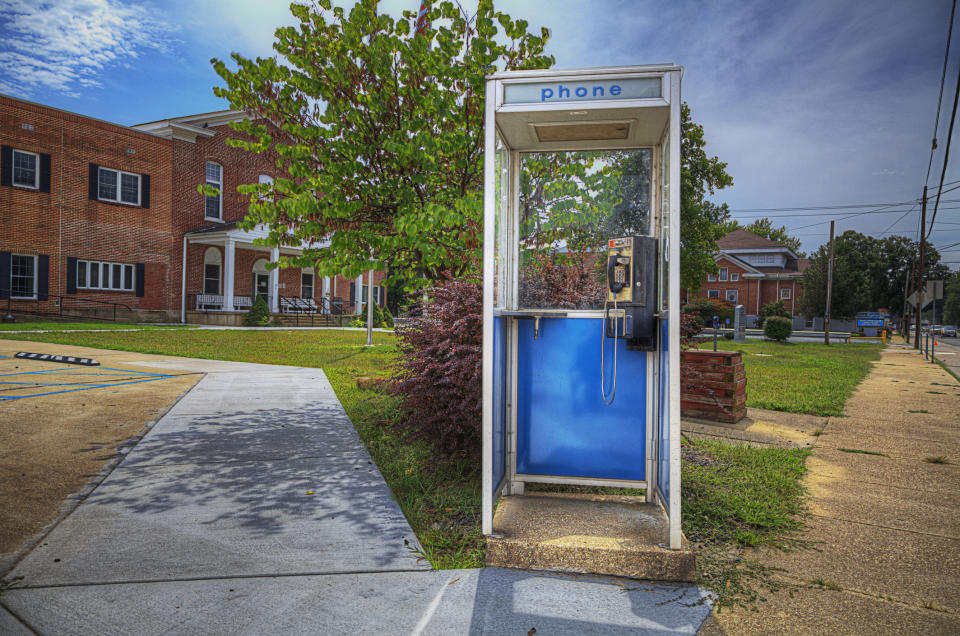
x,y
64,44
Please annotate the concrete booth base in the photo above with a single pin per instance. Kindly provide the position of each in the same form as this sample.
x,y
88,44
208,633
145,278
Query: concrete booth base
x,y
595,534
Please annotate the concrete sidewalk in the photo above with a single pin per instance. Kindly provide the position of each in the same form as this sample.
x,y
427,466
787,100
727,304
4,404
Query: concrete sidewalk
x,y
886,519
252,507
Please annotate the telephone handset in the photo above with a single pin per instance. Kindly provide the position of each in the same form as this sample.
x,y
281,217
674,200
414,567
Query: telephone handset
x,y
618,273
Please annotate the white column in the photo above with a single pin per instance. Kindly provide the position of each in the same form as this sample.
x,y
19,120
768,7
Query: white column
x,y
229,259
274,281
326,295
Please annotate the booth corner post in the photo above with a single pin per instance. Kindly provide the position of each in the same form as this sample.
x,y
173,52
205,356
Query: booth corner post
x,y
550,352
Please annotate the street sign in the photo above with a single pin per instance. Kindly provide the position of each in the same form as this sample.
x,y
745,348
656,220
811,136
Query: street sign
x,y
933,291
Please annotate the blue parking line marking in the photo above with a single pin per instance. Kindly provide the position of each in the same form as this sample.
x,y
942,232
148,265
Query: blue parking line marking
x,y
79,385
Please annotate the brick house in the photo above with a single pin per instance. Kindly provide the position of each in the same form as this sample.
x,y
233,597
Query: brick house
x,y
755,271
99,216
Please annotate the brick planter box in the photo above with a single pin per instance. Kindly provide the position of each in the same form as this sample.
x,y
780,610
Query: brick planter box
x,y
713,385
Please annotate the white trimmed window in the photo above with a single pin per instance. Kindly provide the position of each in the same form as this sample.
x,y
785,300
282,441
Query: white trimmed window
x,y
723,274
306,284
711,278
26,169
211,271
785,293
713,293
23,276
732,295
101,275
213,204
734,278
118,186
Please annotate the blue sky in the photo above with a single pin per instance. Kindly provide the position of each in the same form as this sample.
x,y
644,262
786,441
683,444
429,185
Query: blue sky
x,y
810,103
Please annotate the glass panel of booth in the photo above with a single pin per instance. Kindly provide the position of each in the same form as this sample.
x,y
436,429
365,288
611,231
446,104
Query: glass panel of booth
x,y
571,203
501,223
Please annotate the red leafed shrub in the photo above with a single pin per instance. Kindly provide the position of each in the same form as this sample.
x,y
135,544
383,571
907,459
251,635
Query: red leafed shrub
x,y
440,369
561,281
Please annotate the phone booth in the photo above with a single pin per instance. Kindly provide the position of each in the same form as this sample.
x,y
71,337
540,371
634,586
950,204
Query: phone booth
x,y
581,330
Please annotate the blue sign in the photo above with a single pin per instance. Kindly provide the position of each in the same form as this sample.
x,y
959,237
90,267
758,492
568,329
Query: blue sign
x,y
869,322
871,315
716,322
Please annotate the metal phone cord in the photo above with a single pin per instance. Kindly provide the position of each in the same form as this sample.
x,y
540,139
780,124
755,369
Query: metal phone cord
x,y
603,341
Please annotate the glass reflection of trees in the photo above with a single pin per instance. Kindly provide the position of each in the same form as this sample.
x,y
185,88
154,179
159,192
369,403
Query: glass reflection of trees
x,y
571,203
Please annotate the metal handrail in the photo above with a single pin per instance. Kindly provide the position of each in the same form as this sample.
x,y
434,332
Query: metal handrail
x,y
60,305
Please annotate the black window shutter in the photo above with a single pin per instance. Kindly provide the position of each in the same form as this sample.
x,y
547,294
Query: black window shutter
x,y
144,191
353,292
140,276
71,275
94,176
4,274
44,173
43,276
6,167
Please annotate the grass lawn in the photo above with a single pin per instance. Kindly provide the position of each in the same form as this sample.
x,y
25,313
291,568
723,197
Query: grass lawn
x,y
739,497
73,326
802,377
440,496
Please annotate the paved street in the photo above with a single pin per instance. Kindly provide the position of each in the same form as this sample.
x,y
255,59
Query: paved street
x,y
948,352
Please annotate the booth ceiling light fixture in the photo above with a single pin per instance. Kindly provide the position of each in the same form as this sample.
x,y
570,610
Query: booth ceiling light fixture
x,y
583,132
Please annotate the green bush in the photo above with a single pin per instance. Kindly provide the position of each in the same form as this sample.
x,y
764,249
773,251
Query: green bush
x,y
382,318
728,335
772,309
777,328
707,308
258,315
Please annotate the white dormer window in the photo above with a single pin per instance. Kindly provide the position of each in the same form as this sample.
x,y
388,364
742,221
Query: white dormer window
x,y
734,278
711,278
213,205
723,274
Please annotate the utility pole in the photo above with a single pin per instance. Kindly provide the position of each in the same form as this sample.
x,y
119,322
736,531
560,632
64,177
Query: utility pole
x,y
826,315
906,293
923,243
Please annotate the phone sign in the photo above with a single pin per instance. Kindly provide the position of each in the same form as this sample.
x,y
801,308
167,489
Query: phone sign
x,y
582,91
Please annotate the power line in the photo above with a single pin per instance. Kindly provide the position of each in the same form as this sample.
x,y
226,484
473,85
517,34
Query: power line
x,y
900,219
946,151
821,207
943,79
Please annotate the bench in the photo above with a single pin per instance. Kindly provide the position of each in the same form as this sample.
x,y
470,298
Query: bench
x,y
242,302
206,301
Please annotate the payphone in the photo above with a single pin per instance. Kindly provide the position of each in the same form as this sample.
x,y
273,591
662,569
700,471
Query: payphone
x,y
631,291
582,173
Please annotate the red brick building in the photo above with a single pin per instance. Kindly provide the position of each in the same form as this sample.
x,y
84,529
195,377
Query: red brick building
x,y
98,216
755,271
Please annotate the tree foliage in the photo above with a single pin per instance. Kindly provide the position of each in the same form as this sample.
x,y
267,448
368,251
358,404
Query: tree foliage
x,y
702,221
379,133
951,300
775,308
868,274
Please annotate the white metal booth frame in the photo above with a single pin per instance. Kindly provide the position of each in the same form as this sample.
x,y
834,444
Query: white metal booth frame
x,y
575,110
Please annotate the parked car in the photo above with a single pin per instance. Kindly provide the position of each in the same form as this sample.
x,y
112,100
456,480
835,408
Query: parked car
x,y
949,331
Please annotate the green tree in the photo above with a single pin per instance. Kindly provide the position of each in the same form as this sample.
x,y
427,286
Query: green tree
x,y
702,222
380,130
951,300
764,227
869,274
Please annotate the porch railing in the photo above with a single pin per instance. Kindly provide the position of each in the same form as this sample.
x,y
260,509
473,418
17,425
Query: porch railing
x,y
68,307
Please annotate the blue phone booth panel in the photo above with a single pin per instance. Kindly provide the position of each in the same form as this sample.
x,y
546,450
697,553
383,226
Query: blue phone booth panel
x,y
564,428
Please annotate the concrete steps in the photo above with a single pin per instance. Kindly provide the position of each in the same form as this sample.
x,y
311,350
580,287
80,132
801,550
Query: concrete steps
x,y
596,534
